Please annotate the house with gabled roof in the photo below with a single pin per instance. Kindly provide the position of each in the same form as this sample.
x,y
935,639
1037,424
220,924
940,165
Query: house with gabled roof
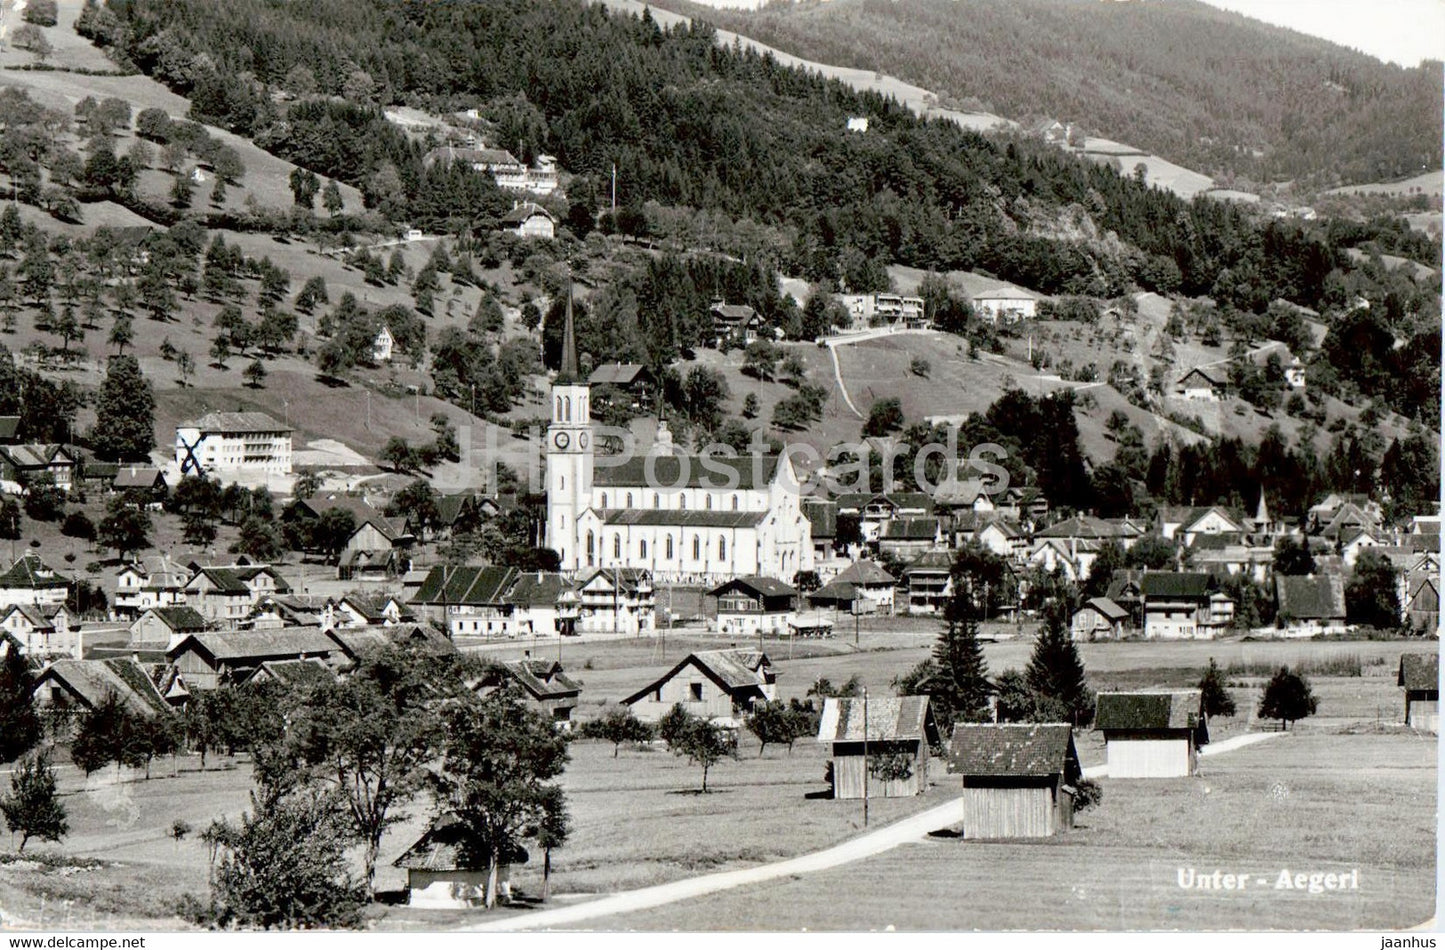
x,y
928,582
361,609
618,600
1307,606
544,683
1422,602
226,595
1420,679
150,581
378,545
1182,605
80,685
1018,779
294,674
713,684
1199,385
159,627
1099,619
876,587
1152,733
895,726
630,385
24,464
441,874
908,537
212,659
735,322
753,606
30,580
530,220
233,443
43,629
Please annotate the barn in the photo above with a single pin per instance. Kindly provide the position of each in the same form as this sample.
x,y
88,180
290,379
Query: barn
x,y
897,726
1152,734
1420,678
1018,779
714,684
439,875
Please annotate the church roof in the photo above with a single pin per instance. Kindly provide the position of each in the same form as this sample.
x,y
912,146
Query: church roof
x,y
660,517
688,471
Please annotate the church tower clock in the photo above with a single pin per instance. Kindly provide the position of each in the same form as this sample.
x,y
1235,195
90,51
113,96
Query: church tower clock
x,y
569,455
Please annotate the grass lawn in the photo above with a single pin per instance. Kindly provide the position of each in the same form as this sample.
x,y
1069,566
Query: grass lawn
x,y
1312,803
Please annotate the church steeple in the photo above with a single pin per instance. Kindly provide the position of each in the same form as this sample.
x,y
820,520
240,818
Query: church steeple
x,y
568,375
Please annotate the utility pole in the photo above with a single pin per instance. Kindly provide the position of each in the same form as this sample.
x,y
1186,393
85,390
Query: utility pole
x,y
865,757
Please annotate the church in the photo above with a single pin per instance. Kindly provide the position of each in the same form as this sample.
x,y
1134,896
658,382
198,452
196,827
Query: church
x,y
686,519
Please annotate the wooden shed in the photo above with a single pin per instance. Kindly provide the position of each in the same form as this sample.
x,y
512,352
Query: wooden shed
x,y
1018,779
438,875
1420,678
1152,734
897,726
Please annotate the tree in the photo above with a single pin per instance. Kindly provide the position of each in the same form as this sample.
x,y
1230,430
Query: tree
x,y
33,806
703,743
304,186
221,350
617,727
105,733
1372,596
40,12
552,831
1293,557
373,734
397,454
77,524
884,417
255,374
284,866
20,729
124,413
1287,697
186,366
29,37
122,332
258,539
125,527
333,529
331,198
496,775
1217,700
1055,674
67,328
779,723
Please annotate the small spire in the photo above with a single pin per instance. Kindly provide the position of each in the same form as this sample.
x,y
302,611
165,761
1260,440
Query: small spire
x,y
568,373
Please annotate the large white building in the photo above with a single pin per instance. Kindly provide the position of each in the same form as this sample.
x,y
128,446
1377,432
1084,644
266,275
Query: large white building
x,y
684,519
233,443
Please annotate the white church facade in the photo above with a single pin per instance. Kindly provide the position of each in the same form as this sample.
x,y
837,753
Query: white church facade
x,y
685,519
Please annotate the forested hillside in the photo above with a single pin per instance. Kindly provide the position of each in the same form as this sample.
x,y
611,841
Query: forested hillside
x,y
1197,85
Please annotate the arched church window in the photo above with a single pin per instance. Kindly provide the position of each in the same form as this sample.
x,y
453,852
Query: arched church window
x,y
722,549
696,548
617,546
669,547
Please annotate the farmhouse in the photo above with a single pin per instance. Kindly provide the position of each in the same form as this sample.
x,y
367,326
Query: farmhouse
x,y
748,606
233,443
378,546
1198,385
439,876
874,586
547,688
80,685
1311,605
900,728
1420,678
149,582
42,629
1099,619
159,627
1181,605
225,595
736,323
530,220
1018,780
147,480
27,463
293,673
714,684
30,581
626,384
1152,734
209,660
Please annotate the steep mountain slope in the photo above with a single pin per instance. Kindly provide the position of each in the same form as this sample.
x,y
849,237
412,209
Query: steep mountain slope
x,y
1210,89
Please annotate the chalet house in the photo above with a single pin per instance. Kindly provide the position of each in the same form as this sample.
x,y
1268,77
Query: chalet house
x,y
439,873
146,480
989,530
382,346
738,324
497,601
358,609
77,686
823,520
872,586
1152,734
1099,619
617,600
25,464
457,513
30,581
1199,385
1187,524
1181,605
544,604
876,511
907,537
212,659
749,606
1018,780
43,629
964,494
529,220
1006,305
273,611
297,674
159,627
624,384
896,725
1073,558
928,582
149,582
714,684
546,686
1089,528
225,596
378,546
1310,606
1216,554
1420,679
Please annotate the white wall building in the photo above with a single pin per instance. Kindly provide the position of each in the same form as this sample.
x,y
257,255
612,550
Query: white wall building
x,y
1006,305
233,442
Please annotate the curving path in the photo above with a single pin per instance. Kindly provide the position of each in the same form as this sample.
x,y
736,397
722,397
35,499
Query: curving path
x,y
863,846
